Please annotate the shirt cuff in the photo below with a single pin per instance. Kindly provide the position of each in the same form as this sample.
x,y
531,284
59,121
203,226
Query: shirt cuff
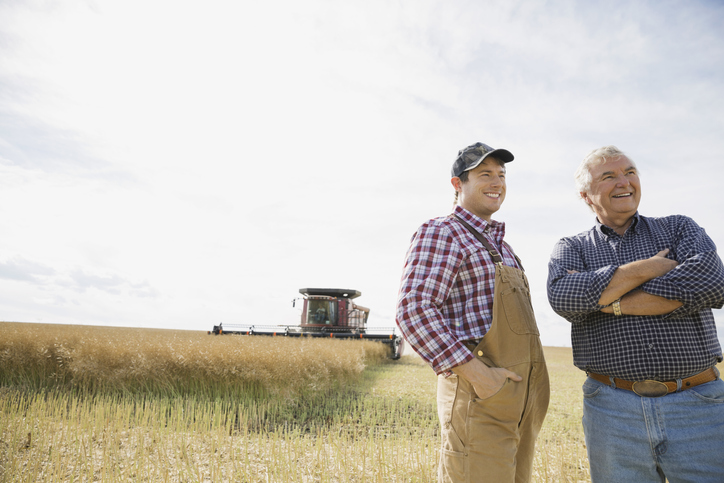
x,y
601,278
667,290
455,356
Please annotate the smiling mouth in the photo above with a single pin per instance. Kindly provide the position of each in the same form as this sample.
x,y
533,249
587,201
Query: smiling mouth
x,y
493,195
623,195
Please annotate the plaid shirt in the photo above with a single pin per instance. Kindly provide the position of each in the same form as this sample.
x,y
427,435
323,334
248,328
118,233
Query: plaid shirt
x,y
446,294
660,347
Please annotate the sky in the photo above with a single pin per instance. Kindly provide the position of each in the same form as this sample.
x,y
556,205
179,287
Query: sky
x,y
175,164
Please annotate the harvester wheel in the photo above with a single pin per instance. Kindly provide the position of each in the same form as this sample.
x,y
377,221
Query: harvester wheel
x,y
397,348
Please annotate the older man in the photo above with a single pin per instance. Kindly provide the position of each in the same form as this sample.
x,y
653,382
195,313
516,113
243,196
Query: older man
x,y
638,292
465,308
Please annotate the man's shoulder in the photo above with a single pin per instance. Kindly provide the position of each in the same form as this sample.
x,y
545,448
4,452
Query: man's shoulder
x,y
444,231
675,219
669,221
581,238
442,226
435,224
439,221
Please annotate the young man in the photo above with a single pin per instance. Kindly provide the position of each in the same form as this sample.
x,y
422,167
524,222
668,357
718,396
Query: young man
x,y
464,306
639,293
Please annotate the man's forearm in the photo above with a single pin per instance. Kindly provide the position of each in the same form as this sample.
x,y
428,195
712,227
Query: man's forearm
x,y
642,303
628,277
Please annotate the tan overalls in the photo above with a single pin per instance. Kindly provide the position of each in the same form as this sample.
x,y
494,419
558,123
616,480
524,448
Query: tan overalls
x,y
493,439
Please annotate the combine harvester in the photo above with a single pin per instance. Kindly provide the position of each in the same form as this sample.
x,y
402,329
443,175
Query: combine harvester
x,y
327,312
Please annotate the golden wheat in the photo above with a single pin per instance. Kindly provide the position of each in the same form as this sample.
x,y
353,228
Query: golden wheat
x,y
93,359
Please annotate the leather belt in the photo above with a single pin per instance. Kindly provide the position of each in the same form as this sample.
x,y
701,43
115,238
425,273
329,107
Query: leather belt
x,y
651,388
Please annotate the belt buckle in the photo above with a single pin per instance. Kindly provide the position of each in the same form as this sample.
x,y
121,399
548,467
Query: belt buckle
x,y
649,388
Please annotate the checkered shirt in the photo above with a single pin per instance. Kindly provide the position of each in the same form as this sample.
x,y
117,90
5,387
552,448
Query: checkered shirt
x,y
446,293
660,347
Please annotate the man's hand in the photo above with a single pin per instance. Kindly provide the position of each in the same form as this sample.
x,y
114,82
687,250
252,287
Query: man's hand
x,y
485,380
662,265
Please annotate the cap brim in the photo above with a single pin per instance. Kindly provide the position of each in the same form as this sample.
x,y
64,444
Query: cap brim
x,y
502,154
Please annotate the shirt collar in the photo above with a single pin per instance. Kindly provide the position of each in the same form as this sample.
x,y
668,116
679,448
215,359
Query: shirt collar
x,y
608,231
496,228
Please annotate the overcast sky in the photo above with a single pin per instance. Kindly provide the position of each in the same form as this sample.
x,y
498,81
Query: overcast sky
x,y
179,164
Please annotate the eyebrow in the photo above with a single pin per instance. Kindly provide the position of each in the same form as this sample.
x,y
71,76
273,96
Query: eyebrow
x,y
492,168
630,168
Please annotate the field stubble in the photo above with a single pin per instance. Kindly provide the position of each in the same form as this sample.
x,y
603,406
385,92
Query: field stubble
x,y
111,404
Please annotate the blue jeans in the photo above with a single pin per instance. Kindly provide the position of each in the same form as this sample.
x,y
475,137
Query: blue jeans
x,y
679,437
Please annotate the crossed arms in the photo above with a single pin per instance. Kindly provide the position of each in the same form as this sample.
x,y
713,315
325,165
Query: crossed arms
x,y
628,277
583,277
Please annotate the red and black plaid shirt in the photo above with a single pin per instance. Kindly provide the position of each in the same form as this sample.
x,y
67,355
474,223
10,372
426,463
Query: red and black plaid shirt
x,y
446,294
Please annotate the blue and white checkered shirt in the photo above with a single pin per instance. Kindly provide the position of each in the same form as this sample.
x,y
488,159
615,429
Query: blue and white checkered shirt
x,y
660,347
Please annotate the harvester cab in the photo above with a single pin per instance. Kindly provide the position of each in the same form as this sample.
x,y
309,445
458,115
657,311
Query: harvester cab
x,y
326,312
327,308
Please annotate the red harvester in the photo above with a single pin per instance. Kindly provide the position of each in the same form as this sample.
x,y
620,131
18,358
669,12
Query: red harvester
x,y
327,312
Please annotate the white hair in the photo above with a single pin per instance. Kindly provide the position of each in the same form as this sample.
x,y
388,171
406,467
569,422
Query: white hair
x,y
595,157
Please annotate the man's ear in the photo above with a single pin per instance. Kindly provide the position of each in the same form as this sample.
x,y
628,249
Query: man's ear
x,y
456,183
584,196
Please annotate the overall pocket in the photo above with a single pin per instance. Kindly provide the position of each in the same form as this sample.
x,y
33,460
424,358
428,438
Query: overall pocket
x,y
518,310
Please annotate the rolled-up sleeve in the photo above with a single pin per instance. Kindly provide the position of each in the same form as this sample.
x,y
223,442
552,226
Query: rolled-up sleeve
x,y
432,264
573,296
698,280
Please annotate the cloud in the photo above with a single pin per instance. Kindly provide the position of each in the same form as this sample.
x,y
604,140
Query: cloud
x,y
221,157
109,283
80,280
20,269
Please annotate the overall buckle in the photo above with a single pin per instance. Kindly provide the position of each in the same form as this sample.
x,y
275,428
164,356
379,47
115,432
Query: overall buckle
x,y
649,388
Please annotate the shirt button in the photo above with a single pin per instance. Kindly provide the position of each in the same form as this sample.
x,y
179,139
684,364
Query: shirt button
x,y
651,346
480,353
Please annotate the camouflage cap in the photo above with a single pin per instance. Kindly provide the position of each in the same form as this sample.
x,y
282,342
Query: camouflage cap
x,y
470,157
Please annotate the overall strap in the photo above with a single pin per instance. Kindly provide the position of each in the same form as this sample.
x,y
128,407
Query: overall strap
x,y
488,246
491,249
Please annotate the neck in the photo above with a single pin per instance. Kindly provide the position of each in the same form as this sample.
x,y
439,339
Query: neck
x,y
619,225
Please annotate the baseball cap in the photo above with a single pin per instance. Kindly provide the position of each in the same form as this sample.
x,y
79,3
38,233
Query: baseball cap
x,y
470,157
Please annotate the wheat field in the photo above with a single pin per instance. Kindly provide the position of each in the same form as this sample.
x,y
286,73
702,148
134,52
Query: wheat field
x,y
87,404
